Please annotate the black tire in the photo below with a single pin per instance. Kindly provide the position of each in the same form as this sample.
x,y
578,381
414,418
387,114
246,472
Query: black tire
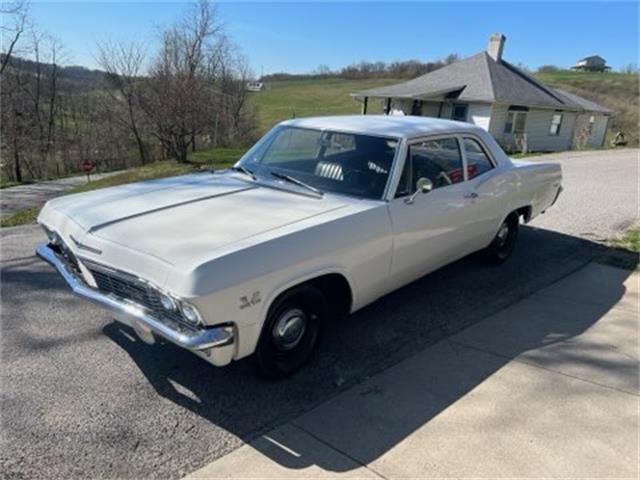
x,y
504,242
284,347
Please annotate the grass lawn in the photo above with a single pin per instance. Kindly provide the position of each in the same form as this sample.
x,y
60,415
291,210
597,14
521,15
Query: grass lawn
x,y
285,99
4,183
217,158
629,241
21,217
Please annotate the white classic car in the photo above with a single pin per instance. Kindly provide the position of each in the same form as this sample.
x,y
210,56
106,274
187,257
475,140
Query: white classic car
x,y
320,218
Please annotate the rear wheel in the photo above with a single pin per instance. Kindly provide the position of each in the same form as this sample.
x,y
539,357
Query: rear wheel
x,y
504,242
291,332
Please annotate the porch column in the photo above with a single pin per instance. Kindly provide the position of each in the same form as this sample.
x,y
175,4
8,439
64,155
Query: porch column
x,y
364,105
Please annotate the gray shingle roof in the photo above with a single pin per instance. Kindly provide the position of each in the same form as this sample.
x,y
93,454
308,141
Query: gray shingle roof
x,y
587,105
483,79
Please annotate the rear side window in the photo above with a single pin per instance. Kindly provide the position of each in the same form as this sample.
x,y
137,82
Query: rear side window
x,y
438,160
478,161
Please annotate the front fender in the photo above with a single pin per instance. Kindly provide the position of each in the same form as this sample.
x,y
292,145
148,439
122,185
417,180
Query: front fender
x,y
301,278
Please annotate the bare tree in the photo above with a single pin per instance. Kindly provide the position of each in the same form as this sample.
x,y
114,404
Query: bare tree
x,y
193,93
124,63
42,90
181,88
11,32
29,104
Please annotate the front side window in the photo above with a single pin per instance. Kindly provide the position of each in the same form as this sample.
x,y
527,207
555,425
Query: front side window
x,y
438,160
339,162
459,112
556,121
516,122
478,162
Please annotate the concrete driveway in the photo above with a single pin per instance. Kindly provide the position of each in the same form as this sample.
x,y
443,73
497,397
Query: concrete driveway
x,y
548,387
82,397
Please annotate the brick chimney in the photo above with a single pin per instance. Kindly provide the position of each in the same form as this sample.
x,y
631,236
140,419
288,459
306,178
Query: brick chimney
x,y
496,46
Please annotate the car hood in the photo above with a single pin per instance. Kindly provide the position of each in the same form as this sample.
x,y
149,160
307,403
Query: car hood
x,y
183,221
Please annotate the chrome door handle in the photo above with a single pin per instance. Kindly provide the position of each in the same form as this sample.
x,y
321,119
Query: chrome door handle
x,y
471,195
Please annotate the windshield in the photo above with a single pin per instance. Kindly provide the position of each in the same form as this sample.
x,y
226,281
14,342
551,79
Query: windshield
x,y
337,162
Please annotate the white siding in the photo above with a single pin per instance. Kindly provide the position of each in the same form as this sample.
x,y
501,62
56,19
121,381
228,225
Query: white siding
x,y
598,130
479,114
401,104
445,112
493,118
536,128
498,119
430,109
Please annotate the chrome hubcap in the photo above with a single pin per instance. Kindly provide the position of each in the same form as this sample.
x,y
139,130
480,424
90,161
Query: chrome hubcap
x,y
289,329
503,233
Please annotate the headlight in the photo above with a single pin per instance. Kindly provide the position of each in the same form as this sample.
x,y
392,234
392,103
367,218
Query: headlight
x,y
168,303
54,238
190,313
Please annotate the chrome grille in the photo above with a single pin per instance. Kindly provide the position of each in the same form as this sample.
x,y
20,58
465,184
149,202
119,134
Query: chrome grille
x,y
128,287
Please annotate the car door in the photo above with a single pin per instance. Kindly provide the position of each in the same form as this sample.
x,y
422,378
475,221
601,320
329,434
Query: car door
x,y
428,227
483,193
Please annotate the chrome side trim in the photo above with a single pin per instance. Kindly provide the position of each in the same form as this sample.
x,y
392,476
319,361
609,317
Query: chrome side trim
x,y
197,340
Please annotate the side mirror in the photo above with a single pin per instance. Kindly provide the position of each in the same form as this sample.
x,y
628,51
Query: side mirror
x,y
423,185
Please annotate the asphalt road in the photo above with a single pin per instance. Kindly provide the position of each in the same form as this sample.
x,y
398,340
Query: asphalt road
x,y
82,397
601,193
19,197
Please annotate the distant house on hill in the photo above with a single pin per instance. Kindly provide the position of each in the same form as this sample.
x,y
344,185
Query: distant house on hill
x,y
518,110
594,63
255,86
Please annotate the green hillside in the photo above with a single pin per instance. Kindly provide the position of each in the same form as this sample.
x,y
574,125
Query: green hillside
x,y
284,99
330,96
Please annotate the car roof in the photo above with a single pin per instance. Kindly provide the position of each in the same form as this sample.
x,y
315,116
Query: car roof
x,y
383,125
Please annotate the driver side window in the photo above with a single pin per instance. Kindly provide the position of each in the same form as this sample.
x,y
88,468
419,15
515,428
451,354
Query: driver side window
x,y
438,160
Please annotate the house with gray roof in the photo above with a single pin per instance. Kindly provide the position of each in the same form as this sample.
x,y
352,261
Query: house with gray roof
x,y
486,90
593,63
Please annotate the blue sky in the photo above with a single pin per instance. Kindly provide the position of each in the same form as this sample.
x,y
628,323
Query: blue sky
x,y
297,37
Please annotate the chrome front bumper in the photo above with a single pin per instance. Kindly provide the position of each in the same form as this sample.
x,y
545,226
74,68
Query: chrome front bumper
x,y
136,316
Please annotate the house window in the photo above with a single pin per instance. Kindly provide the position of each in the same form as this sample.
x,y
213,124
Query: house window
x,y
459,112
516,122
556,121
416,107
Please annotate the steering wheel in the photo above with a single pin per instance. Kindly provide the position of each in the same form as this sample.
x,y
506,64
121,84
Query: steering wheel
x,y
445,177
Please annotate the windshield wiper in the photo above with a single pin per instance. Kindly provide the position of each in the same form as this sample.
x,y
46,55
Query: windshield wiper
x,y
244,170
295,181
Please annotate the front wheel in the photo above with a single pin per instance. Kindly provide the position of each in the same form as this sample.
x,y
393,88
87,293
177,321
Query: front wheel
x,y
504,242
291,332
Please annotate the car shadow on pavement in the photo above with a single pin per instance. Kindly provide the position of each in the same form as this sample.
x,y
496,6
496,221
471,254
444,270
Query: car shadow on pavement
x,y
374,339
